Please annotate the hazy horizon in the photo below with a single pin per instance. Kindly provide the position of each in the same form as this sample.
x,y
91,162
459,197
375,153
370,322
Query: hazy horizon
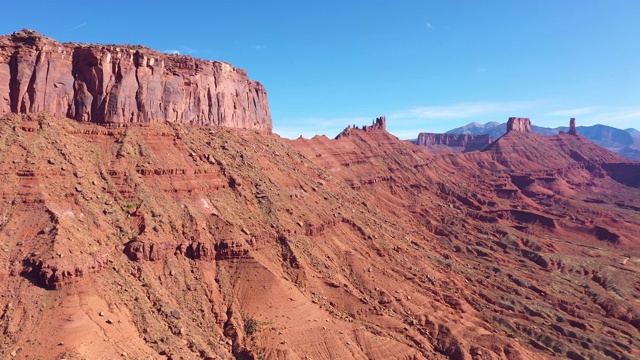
x,y
429,66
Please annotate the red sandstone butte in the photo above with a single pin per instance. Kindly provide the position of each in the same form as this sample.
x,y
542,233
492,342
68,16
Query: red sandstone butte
x,y
124,84
519,124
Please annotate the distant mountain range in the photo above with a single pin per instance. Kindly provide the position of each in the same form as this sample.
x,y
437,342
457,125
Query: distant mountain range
x,y
625,143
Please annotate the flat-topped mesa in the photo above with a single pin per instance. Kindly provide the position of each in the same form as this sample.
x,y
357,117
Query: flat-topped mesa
x,y
519,124
124,84
572,127
464,142
378,124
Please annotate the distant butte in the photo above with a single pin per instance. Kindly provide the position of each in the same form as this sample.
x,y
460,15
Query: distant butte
x,y
519,124
456,142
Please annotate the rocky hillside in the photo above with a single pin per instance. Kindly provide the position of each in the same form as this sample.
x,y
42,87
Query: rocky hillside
x,y
176,240
122,84
173,241
523,238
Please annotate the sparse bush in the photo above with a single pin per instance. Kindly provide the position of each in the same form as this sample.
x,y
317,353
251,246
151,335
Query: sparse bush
x,y
251,326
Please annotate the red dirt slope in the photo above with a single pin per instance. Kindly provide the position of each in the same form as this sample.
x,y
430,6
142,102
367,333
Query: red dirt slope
x,y
169,241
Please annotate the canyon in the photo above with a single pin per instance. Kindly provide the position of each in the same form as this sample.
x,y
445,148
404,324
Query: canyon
x,y
207,236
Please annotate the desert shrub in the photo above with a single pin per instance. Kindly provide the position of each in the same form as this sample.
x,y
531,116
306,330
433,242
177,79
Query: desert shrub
x,y
251,326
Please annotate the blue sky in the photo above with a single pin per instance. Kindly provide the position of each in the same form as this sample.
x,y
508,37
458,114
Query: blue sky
x,y
427,65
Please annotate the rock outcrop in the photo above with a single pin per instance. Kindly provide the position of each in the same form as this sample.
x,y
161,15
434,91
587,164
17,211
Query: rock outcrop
x,y
572,127
123,84
519,124
378,124
462,142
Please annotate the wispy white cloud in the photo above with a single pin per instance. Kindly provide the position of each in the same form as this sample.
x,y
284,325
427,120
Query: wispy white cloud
x,y
461,110
620,117
626,114
429,26
409,122
406,134
481,70
188,50
259,47
182,49
628,117
572,112
78,26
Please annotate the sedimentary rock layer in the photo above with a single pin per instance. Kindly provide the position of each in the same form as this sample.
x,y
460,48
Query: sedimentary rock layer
x,y
122,84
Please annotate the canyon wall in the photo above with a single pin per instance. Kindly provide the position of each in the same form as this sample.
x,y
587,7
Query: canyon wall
x,y
123,84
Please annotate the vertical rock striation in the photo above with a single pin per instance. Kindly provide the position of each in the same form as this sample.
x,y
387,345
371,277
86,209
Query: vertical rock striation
x,y
123,84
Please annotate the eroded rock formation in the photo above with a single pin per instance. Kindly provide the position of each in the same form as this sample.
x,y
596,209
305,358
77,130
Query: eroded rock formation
x,y
122,84
572,126
464,142
378,124
519,124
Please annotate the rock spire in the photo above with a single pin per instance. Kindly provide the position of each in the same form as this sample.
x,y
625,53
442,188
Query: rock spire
x,y
572,126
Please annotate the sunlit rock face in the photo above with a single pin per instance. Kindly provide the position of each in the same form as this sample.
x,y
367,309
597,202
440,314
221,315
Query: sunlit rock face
x,y
123,84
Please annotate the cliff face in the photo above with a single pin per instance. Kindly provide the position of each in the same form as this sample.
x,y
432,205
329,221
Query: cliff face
x,y
125,84
463,141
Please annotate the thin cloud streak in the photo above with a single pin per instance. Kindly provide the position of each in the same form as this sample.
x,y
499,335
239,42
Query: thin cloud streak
x,y
78,26
617,117
189,50
461,110
184,49
572,112
622,115
620,118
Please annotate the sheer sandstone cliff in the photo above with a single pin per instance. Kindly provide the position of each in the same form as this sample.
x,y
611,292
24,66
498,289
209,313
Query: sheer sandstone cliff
x,y
122,84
